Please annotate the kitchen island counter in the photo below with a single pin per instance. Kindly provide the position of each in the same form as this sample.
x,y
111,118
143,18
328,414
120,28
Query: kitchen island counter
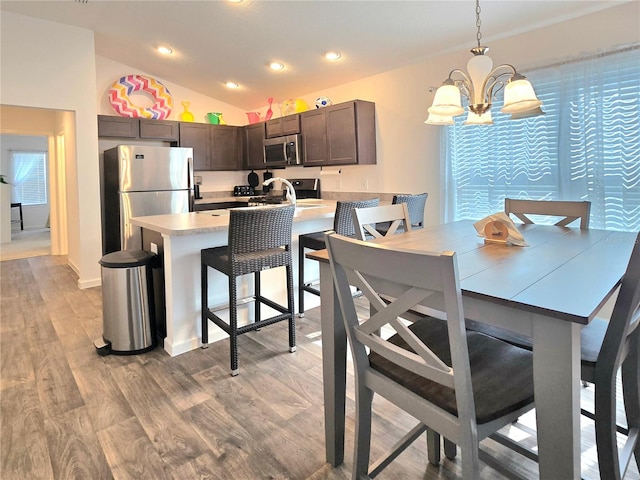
x,y
179,238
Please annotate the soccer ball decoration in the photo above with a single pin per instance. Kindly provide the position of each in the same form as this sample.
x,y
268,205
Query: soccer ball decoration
x,y
323,102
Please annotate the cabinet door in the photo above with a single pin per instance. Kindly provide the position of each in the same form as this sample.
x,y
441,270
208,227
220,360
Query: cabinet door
x,y
225,147
196,136
159,129
341,134
254,151
119,127
287,125
314,137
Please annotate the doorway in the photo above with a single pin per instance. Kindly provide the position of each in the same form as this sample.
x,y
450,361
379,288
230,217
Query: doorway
x,y
45,226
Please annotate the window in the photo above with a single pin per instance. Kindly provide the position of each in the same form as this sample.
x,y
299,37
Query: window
x,y
586,147
29,177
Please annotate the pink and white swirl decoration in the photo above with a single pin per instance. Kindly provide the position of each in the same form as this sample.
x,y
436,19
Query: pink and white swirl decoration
x,y
119,97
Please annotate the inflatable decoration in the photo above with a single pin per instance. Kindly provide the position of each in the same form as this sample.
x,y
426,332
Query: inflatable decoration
x,y
323,102
125,86
294,106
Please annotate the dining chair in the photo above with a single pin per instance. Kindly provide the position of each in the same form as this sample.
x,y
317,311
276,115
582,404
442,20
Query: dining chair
x,y
607,347
570,211
460,384
342,224
365,220
259,239
416,204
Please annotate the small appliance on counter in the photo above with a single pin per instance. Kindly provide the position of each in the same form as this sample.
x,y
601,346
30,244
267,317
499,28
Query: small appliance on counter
x,y
243,191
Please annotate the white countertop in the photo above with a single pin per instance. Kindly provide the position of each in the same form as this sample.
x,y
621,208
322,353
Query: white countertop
x,y
193,223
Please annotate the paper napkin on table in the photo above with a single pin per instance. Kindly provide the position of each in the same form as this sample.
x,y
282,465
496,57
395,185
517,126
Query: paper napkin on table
x,y
500,227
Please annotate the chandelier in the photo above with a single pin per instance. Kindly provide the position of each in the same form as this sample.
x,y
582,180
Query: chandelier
x,y
480,87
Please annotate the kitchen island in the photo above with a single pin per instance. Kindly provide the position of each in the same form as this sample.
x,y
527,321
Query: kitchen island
x,y
179,238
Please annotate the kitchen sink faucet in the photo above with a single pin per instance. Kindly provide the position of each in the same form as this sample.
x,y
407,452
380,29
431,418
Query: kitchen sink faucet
x,y
291,192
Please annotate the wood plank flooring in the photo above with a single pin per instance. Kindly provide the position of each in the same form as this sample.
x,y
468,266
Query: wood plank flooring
x,y
67,413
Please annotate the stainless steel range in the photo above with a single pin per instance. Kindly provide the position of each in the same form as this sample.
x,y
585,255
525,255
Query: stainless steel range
x,y
305,188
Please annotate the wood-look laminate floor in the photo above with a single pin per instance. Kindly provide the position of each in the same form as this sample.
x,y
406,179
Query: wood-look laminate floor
x,y
67,413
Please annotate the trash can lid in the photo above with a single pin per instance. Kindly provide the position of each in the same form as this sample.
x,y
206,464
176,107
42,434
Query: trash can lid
x,y
127,258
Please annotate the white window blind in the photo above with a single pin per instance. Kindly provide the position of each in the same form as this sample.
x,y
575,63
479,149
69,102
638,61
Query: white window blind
x,y
586,147
29,177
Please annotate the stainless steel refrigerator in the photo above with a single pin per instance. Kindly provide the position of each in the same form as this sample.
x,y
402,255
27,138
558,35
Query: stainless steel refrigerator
x,y
139,181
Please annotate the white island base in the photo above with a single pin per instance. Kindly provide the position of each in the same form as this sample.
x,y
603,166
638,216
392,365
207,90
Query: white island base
x,y
184,236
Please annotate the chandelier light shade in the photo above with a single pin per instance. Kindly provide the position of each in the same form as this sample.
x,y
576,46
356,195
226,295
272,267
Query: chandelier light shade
x,y
434,119
480,87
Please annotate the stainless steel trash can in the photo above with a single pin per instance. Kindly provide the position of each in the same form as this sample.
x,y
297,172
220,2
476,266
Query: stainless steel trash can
x,y
128,325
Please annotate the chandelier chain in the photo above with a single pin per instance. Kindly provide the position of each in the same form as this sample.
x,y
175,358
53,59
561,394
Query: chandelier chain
x,y
478,23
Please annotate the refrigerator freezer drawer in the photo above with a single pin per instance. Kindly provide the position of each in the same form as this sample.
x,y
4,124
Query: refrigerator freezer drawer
x,y
142,204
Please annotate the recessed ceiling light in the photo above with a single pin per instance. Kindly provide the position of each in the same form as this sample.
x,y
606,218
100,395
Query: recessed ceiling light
x,y
165,50
276,66
332,55
232,85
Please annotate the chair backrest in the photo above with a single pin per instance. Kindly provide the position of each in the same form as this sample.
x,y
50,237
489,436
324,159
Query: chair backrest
x,y
365,220
571,211
416,205
342,222
404,279
260,228
623,333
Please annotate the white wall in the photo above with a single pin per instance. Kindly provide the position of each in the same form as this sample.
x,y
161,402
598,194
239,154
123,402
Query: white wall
x,y
50,65
34,216
109,71
409,150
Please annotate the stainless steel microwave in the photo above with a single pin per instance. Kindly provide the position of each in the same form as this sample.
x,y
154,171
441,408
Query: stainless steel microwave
x,y
283,151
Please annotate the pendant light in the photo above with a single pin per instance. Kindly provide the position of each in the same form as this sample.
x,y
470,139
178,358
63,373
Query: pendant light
x,y
479,86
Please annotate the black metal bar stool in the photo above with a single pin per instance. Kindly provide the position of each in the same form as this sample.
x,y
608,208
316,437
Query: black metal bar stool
x,y
259,239
343,225
19,207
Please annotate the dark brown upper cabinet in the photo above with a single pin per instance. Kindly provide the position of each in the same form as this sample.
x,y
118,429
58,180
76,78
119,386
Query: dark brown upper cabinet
x,y
254,150
138,128
118,127
215,147
159,130
287,125
342,134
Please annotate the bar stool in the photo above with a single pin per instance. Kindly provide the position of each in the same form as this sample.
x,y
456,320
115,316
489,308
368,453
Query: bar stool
x,y
19,207
343,225
416,204
259,239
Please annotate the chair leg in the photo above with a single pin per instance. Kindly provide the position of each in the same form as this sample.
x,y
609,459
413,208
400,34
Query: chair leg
x,y
631,391
450,449
301,279
204,288
605,424
433,447
292,309
362,447
233,326
257,290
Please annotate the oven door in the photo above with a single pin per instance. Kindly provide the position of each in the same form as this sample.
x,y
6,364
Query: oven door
x,y
275,153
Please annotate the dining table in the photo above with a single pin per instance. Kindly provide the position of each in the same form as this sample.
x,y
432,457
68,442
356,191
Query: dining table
x,y
548,290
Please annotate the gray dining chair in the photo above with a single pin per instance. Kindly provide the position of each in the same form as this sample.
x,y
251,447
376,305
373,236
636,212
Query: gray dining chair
x,y
607,347
365,220
342,224
259,239
462,385
568,210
